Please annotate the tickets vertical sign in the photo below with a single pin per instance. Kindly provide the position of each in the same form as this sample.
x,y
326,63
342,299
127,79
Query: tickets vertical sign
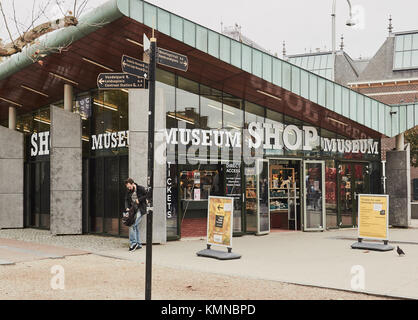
x,y
373,216
220,210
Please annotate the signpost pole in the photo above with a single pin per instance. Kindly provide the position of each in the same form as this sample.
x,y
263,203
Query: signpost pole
x,y
151,125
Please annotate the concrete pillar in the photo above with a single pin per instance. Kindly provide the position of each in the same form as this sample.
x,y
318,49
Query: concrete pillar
x,y
398,186
11,178
400,142
12,118
138,155
68,98
66,172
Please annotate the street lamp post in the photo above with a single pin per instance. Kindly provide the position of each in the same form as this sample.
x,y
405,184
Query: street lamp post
x,y
350,22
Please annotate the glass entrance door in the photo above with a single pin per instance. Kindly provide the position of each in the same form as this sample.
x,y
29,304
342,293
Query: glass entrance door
x,y
353,179
263,216
314,200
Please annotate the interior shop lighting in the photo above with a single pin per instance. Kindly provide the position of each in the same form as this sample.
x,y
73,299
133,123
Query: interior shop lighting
x,y
124,90
85,138
98,64
269,95
107,106
12,102
63,78
42,120
179,118
35,91
134,42
337,121
220,109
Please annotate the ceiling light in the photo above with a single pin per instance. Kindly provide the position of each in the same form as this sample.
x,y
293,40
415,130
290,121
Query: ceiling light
x,y
98,64
63,78
12,102
36,91
107,106
179,118
337,121
269,95
134,42
42,120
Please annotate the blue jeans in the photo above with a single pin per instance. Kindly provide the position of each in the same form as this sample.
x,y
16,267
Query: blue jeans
x,y
134,236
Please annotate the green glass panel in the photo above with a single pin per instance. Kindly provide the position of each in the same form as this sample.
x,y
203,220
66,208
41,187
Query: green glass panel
x,y
399,43
202,39
150,15
388,122
346,102
176,27
407,42
189,33
367,112
277,72
136,10
416,114
247,58
353,105
313,88
163,21
360,109
304,84
213,48
338,99
402,118
415,42
410,116
267,61
257,63
236,53
381,117
398,61
225,49
414,59
286,76
375,125
330,95
296,80
395,120
321,91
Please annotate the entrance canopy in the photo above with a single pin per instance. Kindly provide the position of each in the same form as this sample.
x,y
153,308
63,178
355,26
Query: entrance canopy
x,y
76,55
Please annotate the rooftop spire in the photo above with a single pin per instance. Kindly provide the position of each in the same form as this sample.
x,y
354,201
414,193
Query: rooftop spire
x,y
284,49
390,28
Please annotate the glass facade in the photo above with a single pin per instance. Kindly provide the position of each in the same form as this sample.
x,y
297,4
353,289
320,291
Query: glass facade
x,y
193,173
406,51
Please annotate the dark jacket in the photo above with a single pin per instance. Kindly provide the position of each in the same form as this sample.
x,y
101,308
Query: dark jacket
x,y
141,193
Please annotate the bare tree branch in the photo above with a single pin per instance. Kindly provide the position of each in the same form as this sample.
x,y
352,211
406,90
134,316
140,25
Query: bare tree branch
x,y
6,24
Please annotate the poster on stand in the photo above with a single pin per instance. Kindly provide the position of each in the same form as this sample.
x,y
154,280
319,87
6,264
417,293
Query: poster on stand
x,y
373,216
220,210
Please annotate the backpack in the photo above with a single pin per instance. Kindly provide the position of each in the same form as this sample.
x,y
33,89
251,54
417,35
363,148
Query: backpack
x,y
129,217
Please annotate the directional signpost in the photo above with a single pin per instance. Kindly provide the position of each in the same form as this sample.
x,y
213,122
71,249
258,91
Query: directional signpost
x,y
135,67
172,59
117,81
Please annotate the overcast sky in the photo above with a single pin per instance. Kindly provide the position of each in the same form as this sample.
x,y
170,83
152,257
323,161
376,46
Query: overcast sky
x,y
303,24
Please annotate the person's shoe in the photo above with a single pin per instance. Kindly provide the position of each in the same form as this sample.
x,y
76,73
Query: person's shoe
x,y
131,248
135,246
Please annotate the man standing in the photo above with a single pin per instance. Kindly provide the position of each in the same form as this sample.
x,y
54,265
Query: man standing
x,y
136,196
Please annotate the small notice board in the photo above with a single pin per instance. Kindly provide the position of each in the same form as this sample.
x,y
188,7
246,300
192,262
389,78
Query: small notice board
x,y
373,216
220,217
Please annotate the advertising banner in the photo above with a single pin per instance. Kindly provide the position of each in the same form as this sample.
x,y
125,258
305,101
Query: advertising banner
x,y
373,216
220,211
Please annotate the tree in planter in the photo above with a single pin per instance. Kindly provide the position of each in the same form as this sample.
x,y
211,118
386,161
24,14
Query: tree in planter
x,y
411,136
22,35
